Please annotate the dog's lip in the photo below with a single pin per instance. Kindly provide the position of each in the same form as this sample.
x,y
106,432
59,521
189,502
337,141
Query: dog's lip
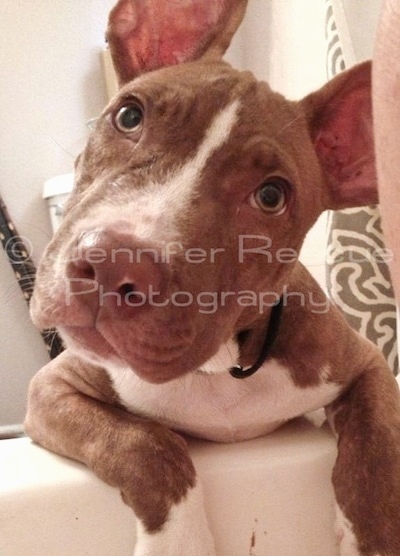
x,y
153,355
86,339
150,362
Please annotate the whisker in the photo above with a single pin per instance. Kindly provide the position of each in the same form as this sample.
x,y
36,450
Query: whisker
x,y
289,124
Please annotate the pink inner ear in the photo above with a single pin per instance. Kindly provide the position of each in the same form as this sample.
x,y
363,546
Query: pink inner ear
x,y
345,147
148,34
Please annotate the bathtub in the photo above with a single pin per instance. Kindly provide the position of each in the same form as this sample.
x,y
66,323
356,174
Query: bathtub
x,y
266,497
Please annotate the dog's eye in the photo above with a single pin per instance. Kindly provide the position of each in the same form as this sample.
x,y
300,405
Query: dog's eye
x,y
129,118
271,196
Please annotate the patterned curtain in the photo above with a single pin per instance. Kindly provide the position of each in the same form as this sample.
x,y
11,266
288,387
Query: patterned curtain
x,y
358,278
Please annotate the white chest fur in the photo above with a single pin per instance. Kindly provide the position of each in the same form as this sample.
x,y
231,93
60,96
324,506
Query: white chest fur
x,y
219,407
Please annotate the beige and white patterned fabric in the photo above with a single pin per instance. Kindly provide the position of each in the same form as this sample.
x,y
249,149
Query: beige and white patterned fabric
x,y
358,278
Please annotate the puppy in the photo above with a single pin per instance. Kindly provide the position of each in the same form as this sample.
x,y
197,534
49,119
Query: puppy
x,y
175,283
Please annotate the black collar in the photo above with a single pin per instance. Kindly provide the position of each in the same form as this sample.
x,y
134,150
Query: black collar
x,y
272,331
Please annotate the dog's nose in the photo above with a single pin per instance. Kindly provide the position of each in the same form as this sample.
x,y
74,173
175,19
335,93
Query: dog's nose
x,y
111,273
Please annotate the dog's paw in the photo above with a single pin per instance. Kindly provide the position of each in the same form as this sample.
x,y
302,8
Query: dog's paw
x,y
186,531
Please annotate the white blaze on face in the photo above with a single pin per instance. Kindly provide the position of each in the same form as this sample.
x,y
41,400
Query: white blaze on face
x,y
217,135
160,204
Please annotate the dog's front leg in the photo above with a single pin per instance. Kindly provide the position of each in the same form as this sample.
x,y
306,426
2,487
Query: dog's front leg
x,y
70,414
366,475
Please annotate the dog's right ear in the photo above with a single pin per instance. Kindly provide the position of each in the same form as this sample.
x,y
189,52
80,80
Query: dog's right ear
x,y
145,35
340,122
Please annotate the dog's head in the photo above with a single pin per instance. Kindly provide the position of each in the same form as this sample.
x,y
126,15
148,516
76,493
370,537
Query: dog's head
x,y
194,193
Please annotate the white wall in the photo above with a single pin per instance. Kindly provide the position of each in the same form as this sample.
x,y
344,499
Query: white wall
x,y
362,36
298,47
51,83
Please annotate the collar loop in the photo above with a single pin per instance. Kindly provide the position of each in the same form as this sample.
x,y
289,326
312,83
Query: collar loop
x,y
272,331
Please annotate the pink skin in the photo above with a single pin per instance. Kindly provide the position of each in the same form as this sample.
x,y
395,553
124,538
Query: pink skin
x,y
166,33
386,104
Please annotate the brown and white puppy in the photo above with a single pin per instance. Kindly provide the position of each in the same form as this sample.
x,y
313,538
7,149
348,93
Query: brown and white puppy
x,y
191,202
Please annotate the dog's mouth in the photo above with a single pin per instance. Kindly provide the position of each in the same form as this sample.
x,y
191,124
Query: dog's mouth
x,y
157,358
158,344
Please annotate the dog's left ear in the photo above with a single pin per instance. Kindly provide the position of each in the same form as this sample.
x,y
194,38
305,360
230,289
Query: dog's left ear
x,y
340,123
145,35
